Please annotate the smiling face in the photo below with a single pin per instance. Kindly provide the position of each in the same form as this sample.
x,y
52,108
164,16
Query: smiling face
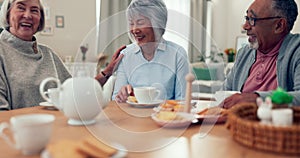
x,y
263,35
24,18
141,29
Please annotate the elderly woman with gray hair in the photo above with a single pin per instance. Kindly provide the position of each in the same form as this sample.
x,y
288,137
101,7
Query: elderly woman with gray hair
x,y
150,60
23,62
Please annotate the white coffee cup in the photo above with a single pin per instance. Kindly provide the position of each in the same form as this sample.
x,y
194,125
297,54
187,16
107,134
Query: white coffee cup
x,y
31,132
146,95
282,117
52,96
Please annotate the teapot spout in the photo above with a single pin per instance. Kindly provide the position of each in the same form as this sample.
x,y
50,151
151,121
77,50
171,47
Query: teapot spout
x,y
108,90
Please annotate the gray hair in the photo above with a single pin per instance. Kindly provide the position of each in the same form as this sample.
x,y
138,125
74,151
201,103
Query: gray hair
x,y
155,10
4,14
287,9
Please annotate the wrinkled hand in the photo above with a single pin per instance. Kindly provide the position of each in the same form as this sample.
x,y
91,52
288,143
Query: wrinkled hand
x,y
238,98
123,94
114,61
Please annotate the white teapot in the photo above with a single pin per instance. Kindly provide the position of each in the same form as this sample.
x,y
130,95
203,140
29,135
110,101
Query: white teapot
x,y
80,99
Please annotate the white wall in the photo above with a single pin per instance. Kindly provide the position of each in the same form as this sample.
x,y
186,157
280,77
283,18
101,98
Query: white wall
x,y
79,19
296,28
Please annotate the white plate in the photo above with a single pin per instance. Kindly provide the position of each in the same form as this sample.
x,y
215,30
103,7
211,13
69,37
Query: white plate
x,y
121,152
149,105
222,95
202,95
202,104
212,118
188,119
197,105
46,104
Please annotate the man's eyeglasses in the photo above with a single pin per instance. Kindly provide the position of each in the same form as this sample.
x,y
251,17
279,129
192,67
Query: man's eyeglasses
x,y
253,20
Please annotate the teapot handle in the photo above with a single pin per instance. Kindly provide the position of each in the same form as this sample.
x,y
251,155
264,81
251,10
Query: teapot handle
x,y
3,126
42,86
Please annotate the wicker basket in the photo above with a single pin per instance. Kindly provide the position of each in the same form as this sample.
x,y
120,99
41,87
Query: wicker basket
x,y
247,130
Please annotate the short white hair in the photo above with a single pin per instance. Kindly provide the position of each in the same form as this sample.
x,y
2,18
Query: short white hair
x,y
155,10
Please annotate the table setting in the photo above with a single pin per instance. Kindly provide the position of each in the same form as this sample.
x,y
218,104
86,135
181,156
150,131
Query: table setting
x,y
178,113
125,130
61,130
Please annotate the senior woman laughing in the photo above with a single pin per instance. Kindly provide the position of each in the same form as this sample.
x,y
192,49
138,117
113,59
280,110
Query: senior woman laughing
x,y
150,60
23,62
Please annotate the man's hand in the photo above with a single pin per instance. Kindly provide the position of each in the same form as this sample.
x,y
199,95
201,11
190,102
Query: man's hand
x,y
238,98
117,56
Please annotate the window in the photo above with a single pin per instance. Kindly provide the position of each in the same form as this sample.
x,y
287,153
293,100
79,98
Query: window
x,y
178,25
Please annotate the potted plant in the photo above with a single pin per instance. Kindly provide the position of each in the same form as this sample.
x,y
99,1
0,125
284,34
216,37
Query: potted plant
x,y
230,52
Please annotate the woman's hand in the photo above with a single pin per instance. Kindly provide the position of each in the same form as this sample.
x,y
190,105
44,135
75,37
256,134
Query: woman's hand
x,y
123,94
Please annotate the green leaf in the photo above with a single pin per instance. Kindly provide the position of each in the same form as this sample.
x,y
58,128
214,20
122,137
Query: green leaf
x,y
280,96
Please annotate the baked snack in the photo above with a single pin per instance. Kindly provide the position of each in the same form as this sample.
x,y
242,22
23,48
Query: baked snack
x,y
88,147
132,99
213,111
172,105
95,148
64,148
168,116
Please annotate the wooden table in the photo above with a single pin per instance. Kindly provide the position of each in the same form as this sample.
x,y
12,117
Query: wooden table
x,y
137,132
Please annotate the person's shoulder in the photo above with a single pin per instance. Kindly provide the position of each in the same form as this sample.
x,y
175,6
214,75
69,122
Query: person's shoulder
x,y
172,44
43,46
245,49
4,47
130,49
174,47
290,42
46,49
245,53
292,37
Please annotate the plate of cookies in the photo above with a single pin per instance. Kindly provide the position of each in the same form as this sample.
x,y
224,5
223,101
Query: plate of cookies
x,y
174,106
171,119
212,115
204,111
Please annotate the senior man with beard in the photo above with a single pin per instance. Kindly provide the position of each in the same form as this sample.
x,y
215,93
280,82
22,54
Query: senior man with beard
x,y
272,59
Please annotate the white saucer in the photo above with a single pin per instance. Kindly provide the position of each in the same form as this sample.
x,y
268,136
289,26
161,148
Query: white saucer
x,y
189,118
80,122
147,105
122,151
46,104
